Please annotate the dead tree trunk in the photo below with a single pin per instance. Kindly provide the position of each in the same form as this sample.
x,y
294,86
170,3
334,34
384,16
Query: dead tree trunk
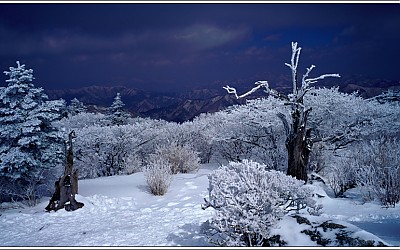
x,y
67,185
298,144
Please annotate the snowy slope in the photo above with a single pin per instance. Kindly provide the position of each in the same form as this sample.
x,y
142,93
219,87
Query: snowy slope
x,y
120,211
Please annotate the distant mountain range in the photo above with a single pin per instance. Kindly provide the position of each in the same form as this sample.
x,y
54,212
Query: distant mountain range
x,y
185,106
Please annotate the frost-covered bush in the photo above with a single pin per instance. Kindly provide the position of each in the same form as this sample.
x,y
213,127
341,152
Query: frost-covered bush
x,y
158,175
181,158
132,165
80,120
378,172
191,134
249,200
341,175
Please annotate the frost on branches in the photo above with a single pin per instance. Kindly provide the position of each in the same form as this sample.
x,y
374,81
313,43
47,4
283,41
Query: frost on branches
x,y
181,158
30,146
298,134
158,174
378,171
249,200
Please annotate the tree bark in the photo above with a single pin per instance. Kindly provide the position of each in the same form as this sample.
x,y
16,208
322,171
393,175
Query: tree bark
x,y
67,185
298,145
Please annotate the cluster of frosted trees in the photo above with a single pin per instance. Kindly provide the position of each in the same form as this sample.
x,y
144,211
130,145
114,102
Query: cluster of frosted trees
x,y
110,144
345,127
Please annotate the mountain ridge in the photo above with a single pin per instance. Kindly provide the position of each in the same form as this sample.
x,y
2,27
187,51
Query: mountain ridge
x,y
180,107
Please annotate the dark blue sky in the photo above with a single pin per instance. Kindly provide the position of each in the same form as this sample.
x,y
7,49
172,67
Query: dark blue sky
x,y
172,47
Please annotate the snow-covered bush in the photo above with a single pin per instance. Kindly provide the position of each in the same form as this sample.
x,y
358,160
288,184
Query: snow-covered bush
x,y
132,164
190,134
181,158
158,174
80,120
249,200
341,175
379,170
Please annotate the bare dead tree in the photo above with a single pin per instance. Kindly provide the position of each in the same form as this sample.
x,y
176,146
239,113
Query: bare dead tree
x,y
66,187
298,135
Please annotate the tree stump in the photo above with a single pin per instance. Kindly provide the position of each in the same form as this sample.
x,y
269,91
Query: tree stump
x,y
67,185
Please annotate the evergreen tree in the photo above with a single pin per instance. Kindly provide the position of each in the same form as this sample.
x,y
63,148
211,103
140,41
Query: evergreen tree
x,y
30,146
117,114
76,107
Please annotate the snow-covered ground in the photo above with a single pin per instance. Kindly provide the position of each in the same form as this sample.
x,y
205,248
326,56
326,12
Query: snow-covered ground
x,y
120,211
370,216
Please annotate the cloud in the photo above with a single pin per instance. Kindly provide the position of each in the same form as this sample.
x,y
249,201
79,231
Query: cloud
x,y
203,37
273,37
145,48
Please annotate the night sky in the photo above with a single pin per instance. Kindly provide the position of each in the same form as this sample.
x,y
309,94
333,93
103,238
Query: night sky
x,y
172,47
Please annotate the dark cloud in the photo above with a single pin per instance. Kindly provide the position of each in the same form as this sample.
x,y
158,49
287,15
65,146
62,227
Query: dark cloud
x,y
177,46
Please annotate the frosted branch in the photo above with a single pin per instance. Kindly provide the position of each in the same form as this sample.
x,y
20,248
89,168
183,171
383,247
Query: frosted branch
x,y
314,80
294,62
259,84
304,82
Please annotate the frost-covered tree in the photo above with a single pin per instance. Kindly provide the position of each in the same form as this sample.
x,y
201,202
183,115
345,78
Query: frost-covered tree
x,y
249,131
112,150
76,107
30,147
298,134
344,124
249,200
117,114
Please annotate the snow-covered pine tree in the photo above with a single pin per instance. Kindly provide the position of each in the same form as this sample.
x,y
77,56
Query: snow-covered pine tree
x,y
299,139
76,107
117,114
30,147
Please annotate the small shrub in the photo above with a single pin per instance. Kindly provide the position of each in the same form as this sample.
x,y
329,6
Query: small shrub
x,y
158,175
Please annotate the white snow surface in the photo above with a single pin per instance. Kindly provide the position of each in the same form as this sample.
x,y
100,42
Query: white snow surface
x,y
120,211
